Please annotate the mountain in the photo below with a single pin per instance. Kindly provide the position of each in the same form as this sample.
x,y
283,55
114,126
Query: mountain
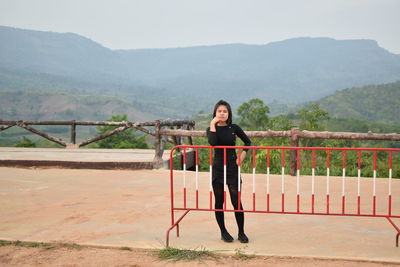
x,y
188,80
290,71
154,102
26,105
64,54
377,103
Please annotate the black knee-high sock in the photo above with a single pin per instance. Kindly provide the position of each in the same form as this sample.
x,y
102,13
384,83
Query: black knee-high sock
x,y
219,202
233,191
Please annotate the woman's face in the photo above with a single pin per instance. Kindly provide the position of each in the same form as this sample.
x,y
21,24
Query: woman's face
x,y
222,113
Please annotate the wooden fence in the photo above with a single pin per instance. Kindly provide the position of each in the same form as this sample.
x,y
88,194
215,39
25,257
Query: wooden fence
x,y
295,134
159,141
174,131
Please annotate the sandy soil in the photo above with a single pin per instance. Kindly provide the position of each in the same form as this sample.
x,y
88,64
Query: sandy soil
x,y
89,256
117,208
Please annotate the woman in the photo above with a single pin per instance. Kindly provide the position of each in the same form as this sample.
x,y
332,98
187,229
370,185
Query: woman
x,y
223,133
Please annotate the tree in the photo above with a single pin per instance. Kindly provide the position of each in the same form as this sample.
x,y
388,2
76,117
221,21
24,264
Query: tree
x,y
280,123
125,139
253,115
312,119
25,142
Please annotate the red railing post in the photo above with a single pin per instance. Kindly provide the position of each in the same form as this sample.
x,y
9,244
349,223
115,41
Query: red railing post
x,y
197,178
298,180
374,186
254,178
343,181
239,186
268,169
211,178
283,180
312,181
328,166
390,183
184,177
359,183
224,179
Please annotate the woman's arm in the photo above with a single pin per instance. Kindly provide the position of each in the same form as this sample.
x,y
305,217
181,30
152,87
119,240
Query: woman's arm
x,y
246,140
212,132
241,157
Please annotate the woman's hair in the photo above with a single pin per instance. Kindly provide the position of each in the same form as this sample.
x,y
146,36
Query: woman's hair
x,y
228,107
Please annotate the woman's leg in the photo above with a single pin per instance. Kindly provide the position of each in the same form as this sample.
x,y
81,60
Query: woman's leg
x,y
233,191
219,215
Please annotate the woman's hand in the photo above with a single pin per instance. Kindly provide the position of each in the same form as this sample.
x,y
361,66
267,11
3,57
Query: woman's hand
x,y
240,159
215,121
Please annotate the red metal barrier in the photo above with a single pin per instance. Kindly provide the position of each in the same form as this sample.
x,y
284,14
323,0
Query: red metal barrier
x,y
389,214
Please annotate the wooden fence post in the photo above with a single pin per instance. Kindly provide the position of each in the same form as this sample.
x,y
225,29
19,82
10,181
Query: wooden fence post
x,y
157,161
294,142
190,138
73,132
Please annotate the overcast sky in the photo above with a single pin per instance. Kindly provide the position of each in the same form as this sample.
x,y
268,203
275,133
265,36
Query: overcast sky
x,y
130,24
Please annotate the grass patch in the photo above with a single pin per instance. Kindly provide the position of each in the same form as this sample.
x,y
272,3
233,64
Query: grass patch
x,y
69,245
125,248
27,244
5,243
176,254
240,254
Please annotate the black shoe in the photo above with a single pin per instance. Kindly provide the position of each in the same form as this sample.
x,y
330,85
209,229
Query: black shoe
x,y
243,238
226,237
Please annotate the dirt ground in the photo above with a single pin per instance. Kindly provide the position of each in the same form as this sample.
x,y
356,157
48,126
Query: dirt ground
x,y
121,208
90,256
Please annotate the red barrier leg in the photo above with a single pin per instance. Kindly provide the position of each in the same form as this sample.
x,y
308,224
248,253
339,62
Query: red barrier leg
x,y
312,203
343,204
210,200
397,229
327,204
175,224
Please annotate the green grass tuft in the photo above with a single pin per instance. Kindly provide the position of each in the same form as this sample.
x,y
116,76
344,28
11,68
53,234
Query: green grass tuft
x,y
5,243
24,244
70,245
27,244
176,254
241,254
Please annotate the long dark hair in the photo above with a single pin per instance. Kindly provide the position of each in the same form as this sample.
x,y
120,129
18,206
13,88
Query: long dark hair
x,y
228,107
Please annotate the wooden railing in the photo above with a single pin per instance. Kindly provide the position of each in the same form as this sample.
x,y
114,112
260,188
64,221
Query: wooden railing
x,y
159,142
295,134
185,128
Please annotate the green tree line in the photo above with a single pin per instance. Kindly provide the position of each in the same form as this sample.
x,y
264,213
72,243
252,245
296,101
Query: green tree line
x,y
254,116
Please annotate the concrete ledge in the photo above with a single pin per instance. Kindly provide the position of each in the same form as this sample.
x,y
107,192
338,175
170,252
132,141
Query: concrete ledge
x,y
83,158
103,165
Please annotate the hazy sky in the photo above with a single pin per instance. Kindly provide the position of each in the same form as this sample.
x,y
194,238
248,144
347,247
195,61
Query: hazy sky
x,y
128,24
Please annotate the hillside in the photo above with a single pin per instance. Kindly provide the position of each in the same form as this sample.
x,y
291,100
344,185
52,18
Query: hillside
x,y
17,105
154,102
290,71
378,103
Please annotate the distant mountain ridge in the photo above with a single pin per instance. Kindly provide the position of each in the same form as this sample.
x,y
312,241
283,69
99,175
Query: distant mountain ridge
x,y
375,103
290,71
26,105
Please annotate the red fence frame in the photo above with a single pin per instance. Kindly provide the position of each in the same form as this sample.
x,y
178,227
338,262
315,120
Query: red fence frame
x,y
374,213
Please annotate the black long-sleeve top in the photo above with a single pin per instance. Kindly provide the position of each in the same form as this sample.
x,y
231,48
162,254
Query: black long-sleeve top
x,y
226,136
